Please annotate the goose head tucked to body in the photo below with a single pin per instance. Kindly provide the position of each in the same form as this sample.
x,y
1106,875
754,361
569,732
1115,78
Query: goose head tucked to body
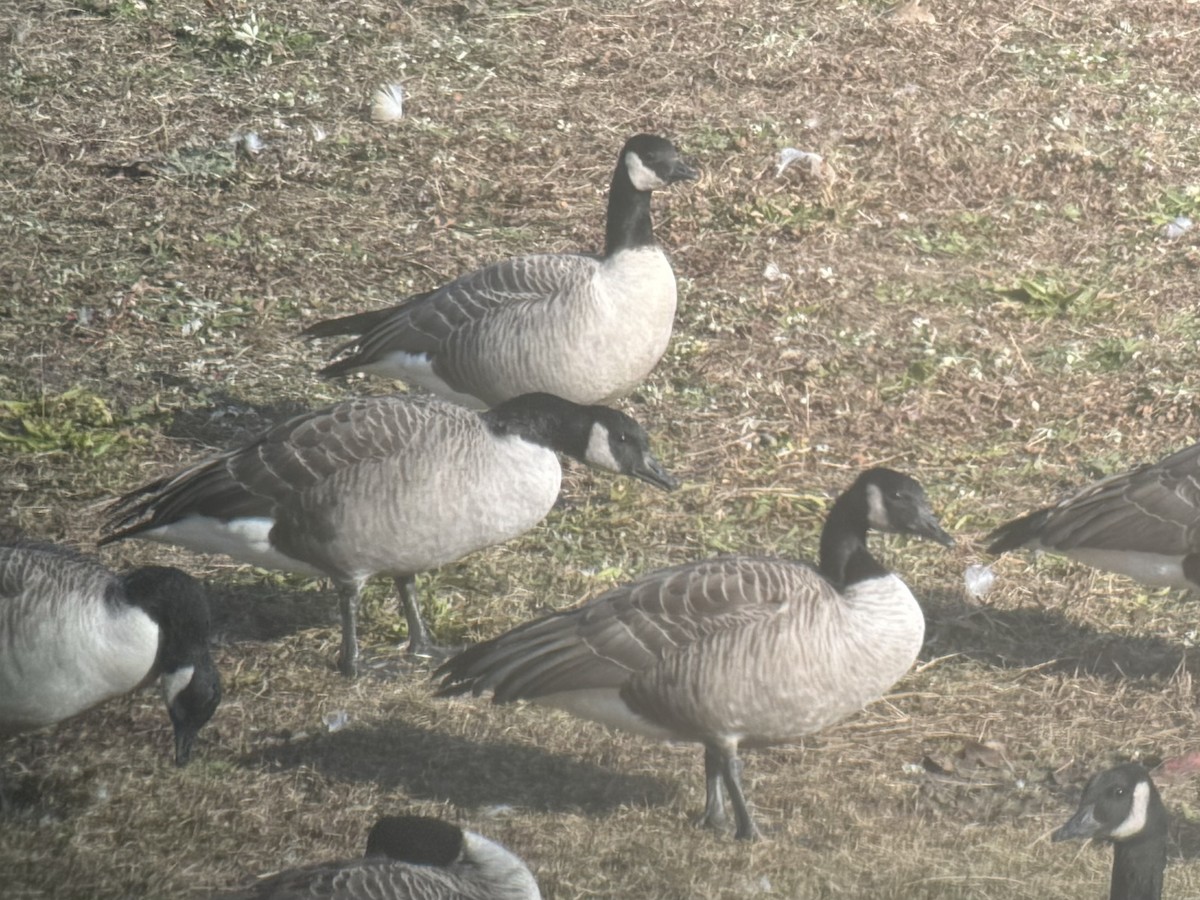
x,y
727,652
408,858
583,326
74,635
387,485
1121,805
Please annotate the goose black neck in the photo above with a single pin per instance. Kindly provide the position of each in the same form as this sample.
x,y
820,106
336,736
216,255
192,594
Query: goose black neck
x,y
628,224
1138,863
543,419
845,558
177,605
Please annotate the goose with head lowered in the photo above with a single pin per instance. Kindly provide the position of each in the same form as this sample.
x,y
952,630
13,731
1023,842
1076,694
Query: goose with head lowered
x,y
390,485
583,327
73,635
1144,523
1121,805
730,652
408,858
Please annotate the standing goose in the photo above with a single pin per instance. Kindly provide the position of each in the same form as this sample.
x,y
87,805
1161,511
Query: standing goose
x,y
728,652
408,858
389,485
1144,524
583,327
1122,806
73,634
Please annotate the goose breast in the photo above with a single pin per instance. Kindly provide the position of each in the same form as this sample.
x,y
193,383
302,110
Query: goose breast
x,y
65,644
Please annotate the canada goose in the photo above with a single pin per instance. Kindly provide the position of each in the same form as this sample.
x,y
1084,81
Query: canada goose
x,y
408,858
1122,806
389,485
583,327
730,651
74,635
1144,523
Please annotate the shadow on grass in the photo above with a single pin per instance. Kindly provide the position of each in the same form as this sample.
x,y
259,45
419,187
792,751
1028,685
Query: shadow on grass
x,y
1026,637
225,421
1184,836
431,765
266,612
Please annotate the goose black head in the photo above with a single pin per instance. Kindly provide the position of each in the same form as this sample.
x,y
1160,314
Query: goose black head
x,y
1118,804
897,503
618,444
653,163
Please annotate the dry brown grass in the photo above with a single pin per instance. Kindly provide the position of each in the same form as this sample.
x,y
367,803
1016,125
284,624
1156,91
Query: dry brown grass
x,y
984,298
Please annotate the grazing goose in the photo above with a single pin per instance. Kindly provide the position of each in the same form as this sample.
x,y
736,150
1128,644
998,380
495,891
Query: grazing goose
x,y
408,858
1122,806
389,485
729,652
1144,524
73,634
583,327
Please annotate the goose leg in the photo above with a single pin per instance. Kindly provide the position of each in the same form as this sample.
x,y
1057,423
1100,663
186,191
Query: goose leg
x,y
714,802
419,642
731,772
348,595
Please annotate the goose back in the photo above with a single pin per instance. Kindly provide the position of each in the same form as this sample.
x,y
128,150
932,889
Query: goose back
x,y
709,648
735,651
314,494
1144,523
469,342
408,858
584,327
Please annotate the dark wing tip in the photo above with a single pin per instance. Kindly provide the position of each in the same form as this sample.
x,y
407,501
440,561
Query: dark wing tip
x,y
1017,533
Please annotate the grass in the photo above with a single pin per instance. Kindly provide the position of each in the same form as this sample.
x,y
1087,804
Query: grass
x,y
984,297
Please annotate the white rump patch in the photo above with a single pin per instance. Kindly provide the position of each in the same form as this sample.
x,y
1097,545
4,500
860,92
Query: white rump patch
x,y
246,540
1136,820
417,368
174,682
643,177
604,705
599,450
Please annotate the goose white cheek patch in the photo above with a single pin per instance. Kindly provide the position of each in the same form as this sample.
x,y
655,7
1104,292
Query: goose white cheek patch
x,y
1136,820
599,450
877,516
643,177
174,682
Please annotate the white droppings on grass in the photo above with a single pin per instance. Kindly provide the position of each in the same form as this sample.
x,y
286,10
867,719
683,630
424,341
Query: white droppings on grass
x,y
1177,228
388,104
773,273
336,720
979,580
789,155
